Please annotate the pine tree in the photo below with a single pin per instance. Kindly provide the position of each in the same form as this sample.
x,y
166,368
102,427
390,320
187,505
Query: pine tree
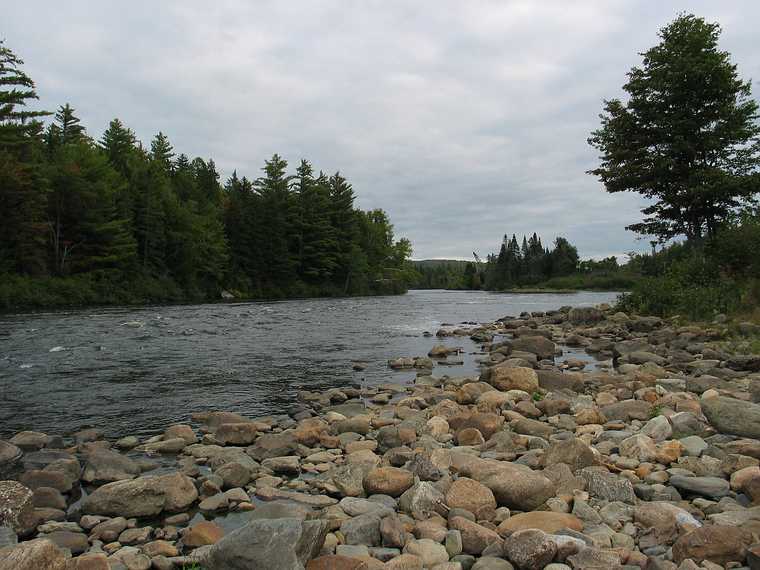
x,y
344,222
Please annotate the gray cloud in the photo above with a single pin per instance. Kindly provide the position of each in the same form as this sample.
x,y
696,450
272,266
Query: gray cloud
x,y
464,120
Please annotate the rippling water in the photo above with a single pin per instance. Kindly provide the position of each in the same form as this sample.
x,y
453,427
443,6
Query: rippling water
x,y
136,370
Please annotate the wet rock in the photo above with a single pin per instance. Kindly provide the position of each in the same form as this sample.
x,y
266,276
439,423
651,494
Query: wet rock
x,y
542,347
106,466
275,544
30,440
628,410
273,445
75,542
556,380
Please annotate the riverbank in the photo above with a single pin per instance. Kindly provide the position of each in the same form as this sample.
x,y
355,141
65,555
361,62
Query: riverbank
x,y
20,293
645,458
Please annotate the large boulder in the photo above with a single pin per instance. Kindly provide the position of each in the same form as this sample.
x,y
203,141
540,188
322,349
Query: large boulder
x,y
274,544
17,507
142,497
580,315
735,417
468,494
106,466
513,485
273,445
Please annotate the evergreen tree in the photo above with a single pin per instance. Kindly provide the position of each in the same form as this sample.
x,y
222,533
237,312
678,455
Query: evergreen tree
x,y
344,222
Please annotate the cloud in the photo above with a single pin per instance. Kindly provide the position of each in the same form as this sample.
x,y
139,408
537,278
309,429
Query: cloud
x,y
464,120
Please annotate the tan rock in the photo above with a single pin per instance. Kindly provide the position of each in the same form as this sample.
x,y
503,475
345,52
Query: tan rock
x,y
506,378
468,494
387,481
718,544
201,534
475,537
546,521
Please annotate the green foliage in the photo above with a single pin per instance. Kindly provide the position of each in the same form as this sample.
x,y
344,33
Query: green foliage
x,y
687,137
109,222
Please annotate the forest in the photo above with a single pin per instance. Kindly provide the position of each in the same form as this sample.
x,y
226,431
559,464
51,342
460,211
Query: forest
x,y
525,264
110,220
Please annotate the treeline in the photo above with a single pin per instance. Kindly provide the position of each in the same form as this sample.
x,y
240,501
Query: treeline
x,y
111,221
520,264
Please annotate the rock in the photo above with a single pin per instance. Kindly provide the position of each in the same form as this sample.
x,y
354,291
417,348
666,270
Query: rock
x,y
468,494
30,440
542,347
75,542
234,474
573,452
530,549
238,433
273,445
92,561
628,410
286,465
663,522
658,428
364,529
639,447
47,497
581,315
387,481
274,544
718,544
506,378
475,538
594,559
9,456
513,485
547,521
17,507
181,431
132,558
712,487
607,486
214,503
142,497
336,562
421,501
109,530
736,417
106,466
38,554
404,562
201,534
35,478
430,552
554,380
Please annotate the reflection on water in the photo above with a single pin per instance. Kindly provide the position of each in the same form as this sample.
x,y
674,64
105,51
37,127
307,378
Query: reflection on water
x,y
136,370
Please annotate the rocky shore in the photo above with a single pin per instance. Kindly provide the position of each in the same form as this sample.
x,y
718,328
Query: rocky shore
x,y
648,459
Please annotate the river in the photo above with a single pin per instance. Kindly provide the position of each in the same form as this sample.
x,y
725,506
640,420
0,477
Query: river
x,y
136,370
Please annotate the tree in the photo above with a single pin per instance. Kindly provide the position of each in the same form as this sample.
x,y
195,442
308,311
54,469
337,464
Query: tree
x,y
687,138
17,124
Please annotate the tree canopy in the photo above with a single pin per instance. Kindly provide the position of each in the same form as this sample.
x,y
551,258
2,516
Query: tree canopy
x,y
687,136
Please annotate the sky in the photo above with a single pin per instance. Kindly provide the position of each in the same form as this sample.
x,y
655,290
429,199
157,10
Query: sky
x,y
463,120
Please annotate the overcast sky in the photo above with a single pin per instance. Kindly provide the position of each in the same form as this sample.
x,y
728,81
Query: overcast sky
x,y
463,120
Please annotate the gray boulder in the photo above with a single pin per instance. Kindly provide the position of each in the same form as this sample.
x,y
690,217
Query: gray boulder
x,y
106,466
274,544
736,417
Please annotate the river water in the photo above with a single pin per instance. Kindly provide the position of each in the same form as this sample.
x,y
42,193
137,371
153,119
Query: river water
x,y
129,370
